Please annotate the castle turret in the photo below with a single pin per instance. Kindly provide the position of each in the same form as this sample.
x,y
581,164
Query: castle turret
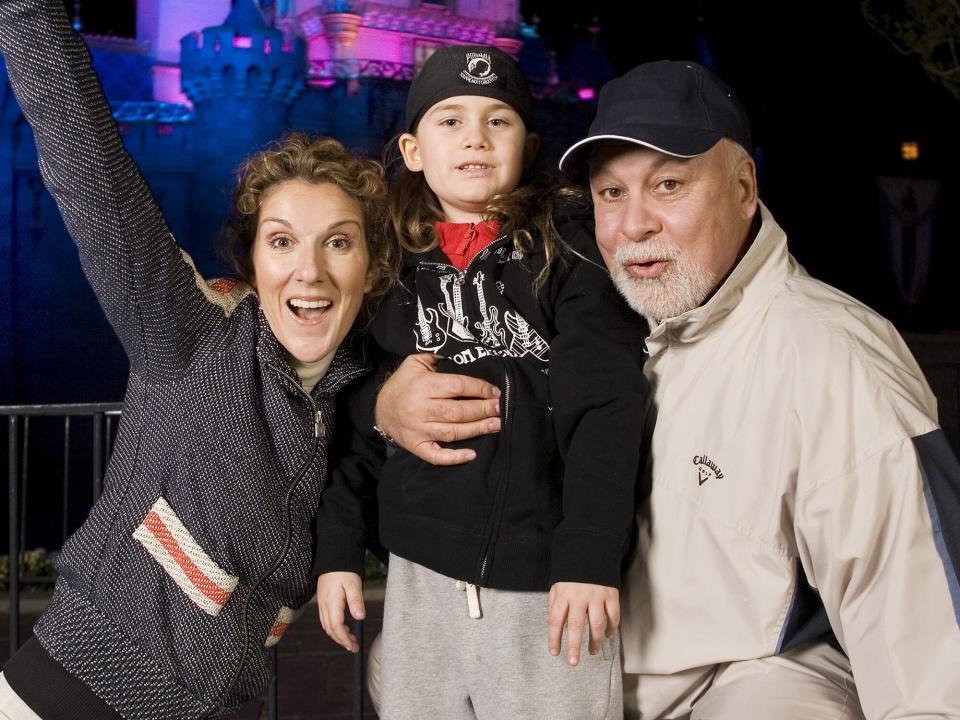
x,y
341,23
241,77
244,68
160,25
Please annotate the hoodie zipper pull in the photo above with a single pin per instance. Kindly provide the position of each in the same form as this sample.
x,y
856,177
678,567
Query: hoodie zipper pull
x,y
317,425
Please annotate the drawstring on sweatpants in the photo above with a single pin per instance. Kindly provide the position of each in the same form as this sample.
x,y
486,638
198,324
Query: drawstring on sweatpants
x,y
473,598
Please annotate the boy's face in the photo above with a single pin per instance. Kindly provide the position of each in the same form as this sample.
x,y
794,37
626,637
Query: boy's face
x,y
469,148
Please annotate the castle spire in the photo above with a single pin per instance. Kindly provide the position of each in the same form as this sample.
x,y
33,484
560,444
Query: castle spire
x,y
245,15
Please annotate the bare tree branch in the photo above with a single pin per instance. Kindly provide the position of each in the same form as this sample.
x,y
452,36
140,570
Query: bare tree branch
x,y
929,29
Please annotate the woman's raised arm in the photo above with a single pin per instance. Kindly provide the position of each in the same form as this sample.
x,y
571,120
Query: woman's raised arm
x,y
142,280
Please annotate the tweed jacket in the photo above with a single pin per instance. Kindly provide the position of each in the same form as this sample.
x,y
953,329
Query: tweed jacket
x,y
198,554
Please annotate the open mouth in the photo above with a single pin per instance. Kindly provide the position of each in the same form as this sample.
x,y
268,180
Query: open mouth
x,y
308,310
646,268
474,167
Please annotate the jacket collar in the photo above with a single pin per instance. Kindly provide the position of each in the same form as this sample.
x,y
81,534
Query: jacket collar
x,y
760,272
410,260
348,361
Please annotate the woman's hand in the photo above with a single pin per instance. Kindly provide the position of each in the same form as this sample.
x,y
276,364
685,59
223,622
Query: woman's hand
x,y
336,591
419,408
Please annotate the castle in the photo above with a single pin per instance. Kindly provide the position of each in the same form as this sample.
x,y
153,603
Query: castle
x,y
204,83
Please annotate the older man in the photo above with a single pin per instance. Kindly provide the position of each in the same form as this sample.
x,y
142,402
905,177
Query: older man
x,y
803,526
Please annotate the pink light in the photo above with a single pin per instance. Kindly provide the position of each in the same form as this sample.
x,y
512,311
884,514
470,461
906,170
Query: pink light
x,y
586,94
266,47
166,84
325,82
164,129
243,41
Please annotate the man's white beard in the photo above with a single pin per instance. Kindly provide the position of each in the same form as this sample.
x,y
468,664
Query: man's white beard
x,y
682,286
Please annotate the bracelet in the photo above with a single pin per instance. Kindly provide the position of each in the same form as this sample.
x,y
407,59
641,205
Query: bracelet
x,y
384,435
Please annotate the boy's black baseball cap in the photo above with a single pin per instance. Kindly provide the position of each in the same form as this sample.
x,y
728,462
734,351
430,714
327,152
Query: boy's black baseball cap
x,y
468,70
676,107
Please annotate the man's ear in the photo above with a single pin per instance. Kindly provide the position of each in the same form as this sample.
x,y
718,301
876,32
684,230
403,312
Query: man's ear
x,y
530,147
410,151
747,188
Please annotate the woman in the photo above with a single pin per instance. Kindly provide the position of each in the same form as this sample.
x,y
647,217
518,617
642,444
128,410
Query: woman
x,y
199,552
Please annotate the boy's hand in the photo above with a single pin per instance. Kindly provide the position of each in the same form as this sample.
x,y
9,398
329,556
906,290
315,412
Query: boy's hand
x,y
568,604
420,408
335,591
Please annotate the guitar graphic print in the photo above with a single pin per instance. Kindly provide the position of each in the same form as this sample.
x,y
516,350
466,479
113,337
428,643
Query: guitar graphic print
x,y
492,333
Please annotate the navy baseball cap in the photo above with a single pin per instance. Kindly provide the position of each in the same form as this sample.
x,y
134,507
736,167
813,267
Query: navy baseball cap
x,y
675,107
468,70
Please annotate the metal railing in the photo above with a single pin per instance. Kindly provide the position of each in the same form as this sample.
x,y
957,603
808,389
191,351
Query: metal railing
x,y
103,420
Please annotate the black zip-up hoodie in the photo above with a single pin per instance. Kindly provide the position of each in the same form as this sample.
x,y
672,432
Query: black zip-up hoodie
x,y
551,496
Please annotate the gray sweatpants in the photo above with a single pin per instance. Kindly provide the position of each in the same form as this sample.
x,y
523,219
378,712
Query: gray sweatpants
x,y
438,662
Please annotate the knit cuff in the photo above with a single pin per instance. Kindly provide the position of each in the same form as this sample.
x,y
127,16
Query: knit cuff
x,y
339,553
586,557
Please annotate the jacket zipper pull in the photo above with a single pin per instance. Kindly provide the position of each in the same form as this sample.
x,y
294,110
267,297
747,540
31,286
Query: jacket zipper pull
x,y
317,425
473,598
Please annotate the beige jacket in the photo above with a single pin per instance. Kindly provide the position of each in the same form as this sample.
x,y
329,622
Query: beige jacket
x,y
799,477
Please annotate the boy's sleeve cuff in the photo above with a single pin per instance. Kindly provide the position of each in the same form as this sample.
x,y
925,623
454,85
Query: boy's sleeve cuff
x,y
586,557
339,553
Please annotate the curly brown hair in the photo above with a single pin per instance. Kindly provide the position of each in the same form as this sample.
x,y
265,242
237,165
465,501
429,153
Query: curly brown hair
x,y
301,156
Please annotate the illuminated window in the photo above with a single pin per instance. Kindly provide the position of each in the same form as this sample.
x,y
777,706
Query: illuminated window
x,y
910,150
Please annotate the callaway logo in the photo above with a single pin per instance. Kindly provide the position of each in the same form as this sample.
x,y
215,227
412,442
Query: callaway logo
x,y
479,70
706,468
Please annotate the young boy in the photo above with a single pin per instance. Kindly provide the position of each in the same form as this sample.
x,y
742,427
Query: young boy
x,y
502,281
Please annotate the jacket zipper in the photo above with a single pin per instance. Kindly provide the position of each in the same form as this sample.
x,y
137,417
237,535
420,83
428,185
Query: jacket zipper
x,y
493,523
288,515
500,493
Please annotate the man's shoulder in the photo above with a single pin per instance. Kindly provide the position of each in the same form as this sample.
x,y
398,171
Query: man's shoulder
x,y
841,342
814,312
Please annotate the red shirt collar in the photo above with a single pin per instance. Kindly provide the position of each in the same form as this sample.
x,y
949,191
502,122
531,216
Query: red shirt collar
x,y
461,242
